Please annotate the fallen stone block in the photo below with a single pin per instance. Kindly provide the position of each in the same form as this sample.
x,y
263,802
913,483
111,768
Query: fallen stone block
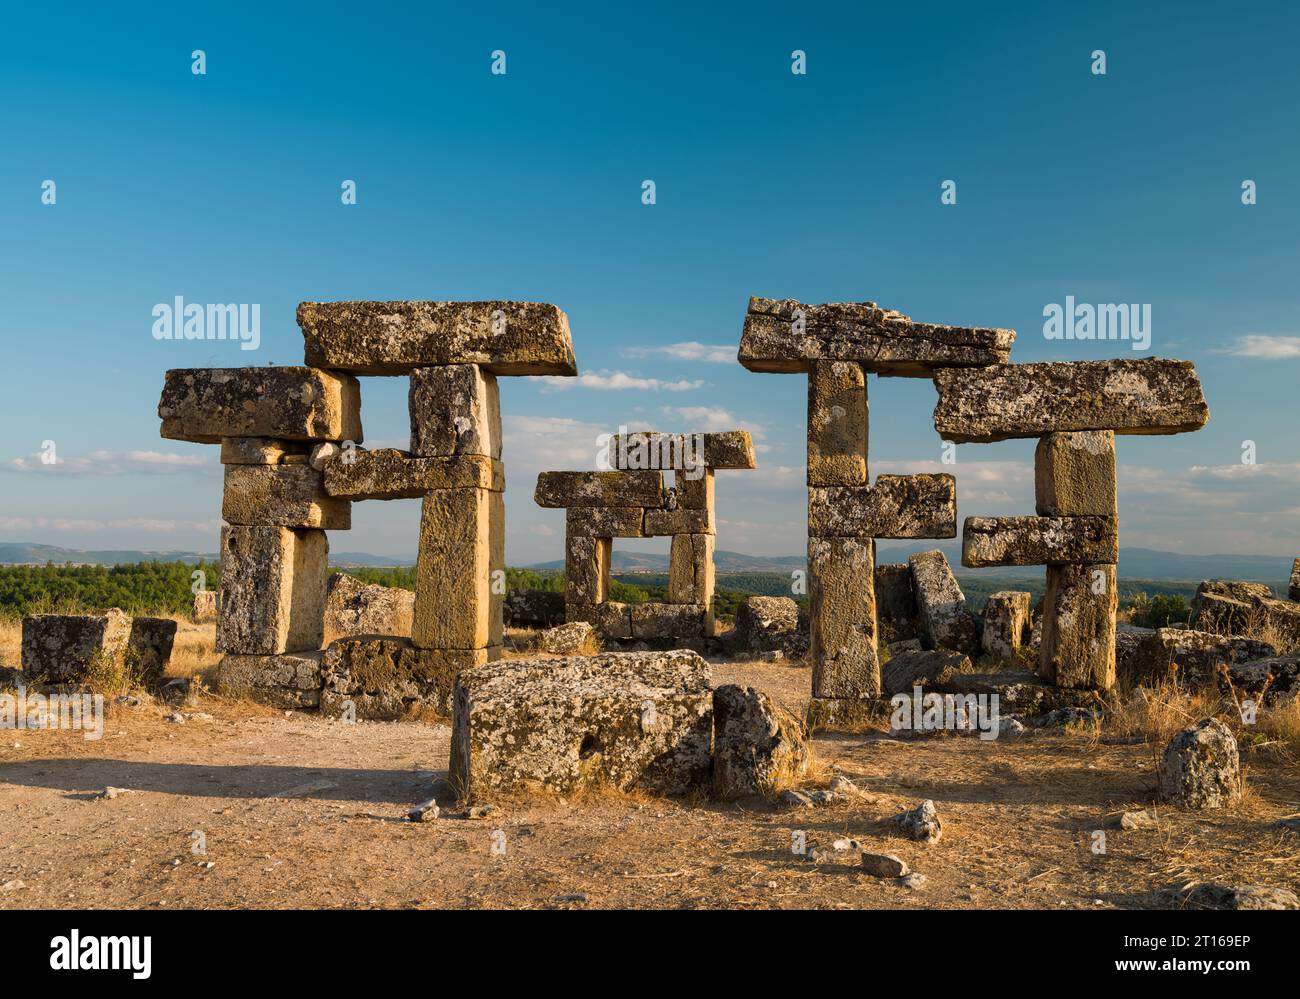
x,y
920,668
454,410
1273,678
205,606
764,624
149,648
260,450
785,335
1281,623
897,506
690,570
1078,644
656,620
586,570
666,523
392,338
610,619
568,639
621,720
941,605
1006,621
837,424
1152,396
383,679
1074,475
842,617
626,489
356,608
757,744
650,449
1200,768
895,600
605,522
273,590
1154,658
388,474
74,648
1208,895
1226,607
288,680
534,608
1293,588
990,541
458,594
282,496
206,404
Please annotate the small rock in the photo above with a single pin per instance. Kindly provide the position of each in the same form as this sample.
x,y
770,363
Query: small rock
x,y
13,886
480,812
794,799
842,785
847,844
1060,717
114,792
921,823
426,811
820,798
1144,819
883,865
1208,895
1010,728
127,701
576,897
775,656
176,718
914,881
567,639
1200,767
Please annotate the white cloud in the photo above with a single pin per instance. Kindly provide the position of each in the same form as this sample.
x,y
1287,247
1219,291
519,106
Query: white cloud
x,y
615,380
1263,345
689,350
711,419
110,463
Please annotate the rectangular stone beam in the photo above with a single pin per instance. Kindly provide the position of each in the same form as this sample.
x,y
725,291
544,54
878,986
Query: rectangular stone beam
x,y
458,603
649,449
392,338
388,474
990,541
281,496
837,424
565,489
606,522
1152,396
295,403
785,336
897,506
842,617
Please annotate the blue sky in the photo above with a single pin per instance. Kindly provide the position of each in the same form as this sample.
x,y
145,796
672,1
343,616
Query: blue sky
x,y
824,187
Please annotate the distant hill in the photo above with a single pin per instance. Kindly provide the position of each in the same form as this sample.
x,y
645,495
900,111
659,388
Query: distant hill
x,y
28,553
723,561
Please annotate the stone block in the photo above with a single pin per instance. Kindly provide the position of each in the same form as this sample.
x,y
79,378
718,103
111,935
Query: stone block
x,y
695,494
920,668
206,603
356,608
785,335
295,403
393,338
1293,589
388,474
60,648
765,624
568,489
897,506
650,449
534,608
655,620
895,599
1078,645
282,496
259,450
1074,475
273,590
1201,767
462,543
690,570
610,619
569,639
1160,656
666,523
385,678
149,648
941,605
1152,396
837,424
625,721
605,522
842,617
586,569
1006,622
758,746
288,680
454,410
990,541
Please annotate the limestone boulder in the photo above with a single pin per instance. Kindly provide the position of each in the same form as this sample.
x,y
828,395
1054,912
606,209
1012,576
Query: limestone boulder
x,y
1200,768
287,680
1274,678
922,668
567,639
385,679
941,605
1153,658
765,624
526,608
353,607
757,744
652,620
1006,622
70,648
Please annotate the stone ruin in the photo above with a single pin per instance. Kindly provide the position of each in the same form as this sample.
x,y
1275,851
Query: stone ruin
x,y
1073,408
631,502
290,443
67,648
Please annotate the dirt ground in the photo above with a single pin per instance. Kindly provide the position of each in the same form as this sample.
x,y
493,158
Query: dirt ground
x,y
1018,821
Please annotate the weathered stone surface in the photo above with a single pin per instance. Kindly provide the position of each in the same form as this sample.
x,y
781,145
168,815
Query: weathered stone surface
x,y
1074,475
1200,767
605,522
259,450
1208,895
1281,623
386,678
462,544
837,424
1293,589
273,590
1227,607
757,744
282,496
765,623
610,619
842,617
897,506
941,605
392,338
622,720
567,489
921,823
149,648
988,541
1006,621
665,523
1078,645
909,669
207,404
568,639
1151,396
1020,694
388,474
62,648
695,494
287,680
690,569
356,608
882,340
1191,658
1273,678
884,865
650,449
206,603
454,410
586,569
896,600
655,620
534,608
